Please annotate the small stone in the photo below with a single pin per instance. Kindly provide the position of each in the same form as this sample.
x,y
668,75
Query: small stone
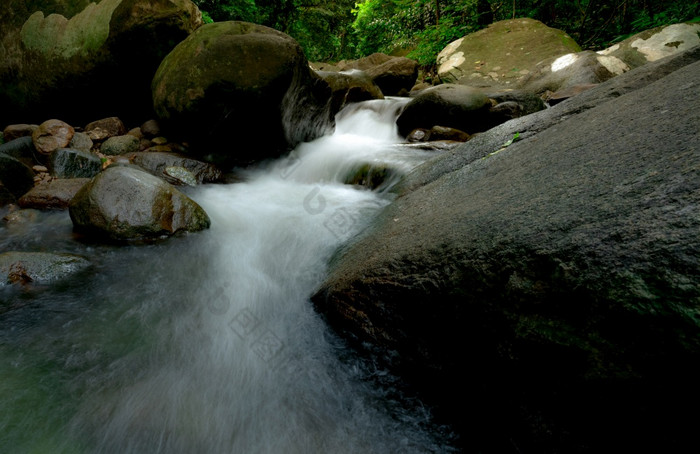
x,y
418,135
179,175
13,132
51,135
151,128
159,140
38,168
103,129
81,141
120,145
136,132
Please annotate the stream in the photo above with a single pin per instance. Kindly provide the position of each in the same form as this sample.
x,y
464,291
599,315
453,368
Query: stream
x,y
207,342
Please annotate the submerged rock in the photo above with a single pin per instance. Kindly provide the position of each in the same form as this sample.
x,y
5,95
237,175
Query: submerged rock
x,y
38,267
127,203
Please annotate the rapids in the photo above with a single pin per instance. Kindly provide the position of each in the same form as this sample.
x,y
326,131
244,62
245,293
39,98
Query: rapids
x,y
207,343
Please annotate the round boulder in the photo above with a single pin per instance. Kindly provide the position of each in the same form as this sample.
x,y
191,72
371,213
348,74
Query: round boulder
x,y
451,105
244,80
501,54
126,203
51,135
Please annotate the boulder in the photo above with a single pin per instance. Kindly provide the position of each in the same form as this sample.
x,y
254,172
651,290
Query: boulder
x,y
81,141
55,194
395,76
570,70
55,56
15,176
501,54
544,295
651,45
157,163
119,145
450,105
51,135
243,78
348,87
70,163
38,267
126,203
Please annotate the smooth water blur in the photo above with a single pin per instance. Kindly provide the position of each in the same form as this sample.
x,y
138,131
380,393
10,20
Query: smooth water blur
x,y
207,343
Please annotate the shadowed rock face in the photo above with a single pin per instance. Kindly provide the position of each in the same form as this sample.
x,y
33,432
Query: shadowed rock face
x,y
78,60
545,295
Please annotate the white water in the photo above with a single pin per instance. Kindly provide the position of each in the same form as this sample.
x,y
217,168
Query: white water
x,y
208,343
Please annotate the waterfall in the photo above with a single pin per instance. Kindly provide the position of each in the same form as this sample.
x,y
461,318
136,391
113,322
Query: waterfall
x,y
208,343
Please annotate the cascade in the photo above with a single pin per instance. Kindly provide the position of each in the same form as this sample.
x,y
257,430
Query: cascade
x,y
208,342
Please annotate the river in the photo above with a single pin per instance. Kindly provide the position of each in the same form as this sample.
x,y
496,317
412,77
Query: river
x,y
208,343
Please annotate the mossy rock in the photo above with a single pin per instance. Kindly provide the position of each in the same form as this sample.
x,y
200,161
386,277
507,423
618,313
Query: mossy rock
x,y
242,80
52,54
500,55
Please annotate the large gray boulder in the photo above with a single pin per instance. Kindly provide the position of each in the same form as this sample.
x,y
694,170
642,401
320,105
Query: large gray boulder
x,y
232,85
127,203
545,294
56,55
501,54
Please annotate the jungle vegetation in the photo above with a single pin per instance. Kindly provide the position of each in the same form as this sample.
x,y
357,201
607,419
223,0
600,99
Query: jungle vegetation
x,y
334,30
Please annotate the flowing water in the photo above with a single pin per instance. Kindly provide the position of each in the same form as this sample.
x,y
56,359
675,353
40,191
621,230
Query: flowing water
x,y
208,343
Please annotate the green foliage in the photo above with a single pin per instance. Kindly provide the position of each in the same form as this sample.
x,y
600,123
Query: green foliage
x,y
330,31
